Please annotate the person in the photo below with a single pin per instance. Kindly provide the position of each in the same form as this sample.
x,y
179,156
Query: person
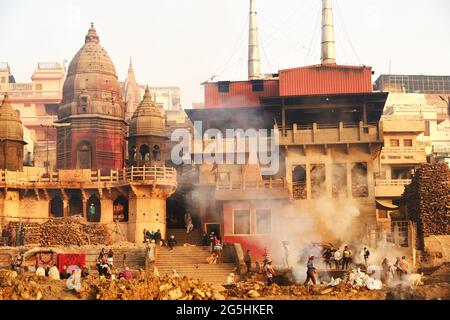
x,y
218,250
403,267
212,259
230,279
248,261
388,271
158,237
171,242
74,281
103,269
269,272
211,241
337,258
398,272
127,273
92,210
145,235
189,227
175,273
100,257
286,253
40,271
110,258
346,258
366,255
327,257
16,262
12,236
266,257
204,240
5,235
187,218
151,253
85,272
64,275
53,273
22,237
311,271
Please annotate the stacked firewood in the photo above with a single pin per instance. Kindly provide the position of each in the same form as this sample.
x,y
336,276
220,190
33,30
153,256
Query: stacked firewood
x,y
63,232
428,199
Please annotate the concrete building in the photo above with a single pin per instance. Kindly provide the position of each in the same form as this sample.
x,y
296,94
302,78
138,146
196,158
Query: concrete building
x,y
327,119
37,103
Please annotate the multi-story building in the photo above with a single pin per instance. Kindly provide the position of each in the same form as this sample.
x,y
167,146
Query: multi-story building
x,y
327,119
37,102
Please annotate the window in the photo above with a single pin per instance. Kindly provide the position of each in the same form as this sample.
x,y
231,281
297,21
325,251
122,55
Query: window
x,y
263,221
318,186
83,103
394,142
360,187
27,105
299,182
224,86
156,153
382,214
407,143
257,85
339,180
242,222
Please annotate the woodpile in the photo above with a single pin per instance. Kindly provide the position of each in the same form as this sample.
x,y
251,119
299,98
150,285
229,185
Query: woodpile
x,y
63,232
427,199
299,190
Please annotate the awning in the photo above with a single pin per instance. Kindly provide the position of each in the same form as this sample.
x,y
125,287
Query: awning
x,y
386,205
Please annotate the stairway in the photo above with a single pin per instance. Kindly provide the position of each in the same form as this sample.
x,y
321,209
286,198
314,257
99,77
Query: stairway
x,y
194,237
190,260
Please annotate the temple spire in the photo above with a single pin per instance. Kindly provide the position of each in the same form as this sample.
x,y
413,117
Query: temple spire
x,y
92,35
253,45
328,44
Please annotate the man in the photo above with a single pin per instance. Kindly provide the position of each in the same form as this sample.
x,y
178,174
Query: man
x,y
12,236
311,271
5,235
64,275
248,261
85,272
327,258
171,242
403,268
127,274
347,253
212,238
158,237
337,259
366,255
266,257
92,210
269,271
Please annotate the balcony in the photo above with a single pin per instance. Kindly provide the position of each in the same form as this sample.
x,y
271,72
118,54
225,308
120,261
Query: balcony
x,y
403,123
390,188
338,133
252,189
403,155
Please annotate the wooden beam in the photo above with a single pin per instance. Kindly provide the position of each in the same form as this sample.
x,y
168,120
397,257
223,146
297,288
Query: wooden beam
x,y
36,191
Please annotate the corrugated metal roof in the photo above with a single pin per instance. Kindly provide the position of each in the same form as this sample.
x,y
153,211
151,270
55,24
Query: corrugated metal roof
x,y
325,79
240,94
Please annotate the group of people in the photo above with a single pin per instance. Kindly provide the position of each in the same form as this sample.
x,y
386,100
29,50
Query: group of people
x,y
13,237
215,245
152,235
396,271
341,260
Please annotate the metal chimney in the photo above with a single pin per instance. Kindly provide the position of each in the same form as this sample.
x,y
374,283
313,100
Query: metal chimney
x,y
253,45
328,47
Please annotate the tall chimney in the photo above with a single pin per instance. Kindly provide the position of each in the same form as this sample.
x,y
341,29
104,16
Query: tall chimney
x,y
328,48
253,45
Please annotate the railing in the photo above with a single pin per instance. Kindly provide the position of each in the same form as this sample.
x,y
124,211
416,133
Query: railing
x,y
35,93
392,183
114,176
260,184
397,150
406,117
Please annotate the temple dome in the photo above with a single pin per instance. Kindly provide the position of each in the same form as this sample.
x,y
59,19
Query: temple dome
x,y
10,123
147,120
91,85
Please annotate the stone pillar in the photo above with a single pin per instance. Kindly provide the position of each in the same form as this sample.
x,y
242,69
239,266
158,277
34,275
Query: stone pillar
x,y
349,179
106,213
11,206
308,180
65,208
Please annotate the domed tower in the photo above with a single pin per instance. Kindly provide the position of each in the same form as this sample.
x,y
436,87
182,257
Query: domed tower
x,y
11,137
92,110
147,136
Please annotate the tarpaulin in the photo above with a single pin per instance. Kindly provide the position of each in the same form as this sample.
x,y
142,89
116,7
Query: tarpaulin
x,y
71,259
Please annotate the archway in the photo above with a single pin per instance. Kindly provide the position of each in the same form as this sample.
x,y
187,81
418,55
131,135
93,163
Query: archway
x,y
299,182
93,209
156,153
144,150
120,209
84,156
56,207
76,206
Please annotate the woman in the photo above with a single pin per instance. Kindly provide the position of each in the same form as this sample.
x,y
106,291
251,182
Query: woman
x,y
218,250
388,274
110,257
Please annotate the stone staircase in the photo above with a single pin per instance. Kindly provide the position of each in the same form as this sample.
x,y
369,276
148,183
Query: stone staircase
x,y
189,259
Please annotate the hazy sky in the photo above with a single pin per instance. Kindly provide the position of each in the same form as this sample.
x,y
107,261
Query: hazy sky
x,y
185,42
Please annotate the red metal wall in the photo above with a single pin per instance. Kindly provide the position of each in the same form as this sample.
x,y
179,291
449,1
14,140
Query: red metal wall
x,y
321,79
239,95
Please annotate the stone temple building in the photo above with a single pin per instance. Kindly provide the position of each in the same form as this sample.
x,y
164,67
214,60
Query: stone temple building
x,y
91,153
